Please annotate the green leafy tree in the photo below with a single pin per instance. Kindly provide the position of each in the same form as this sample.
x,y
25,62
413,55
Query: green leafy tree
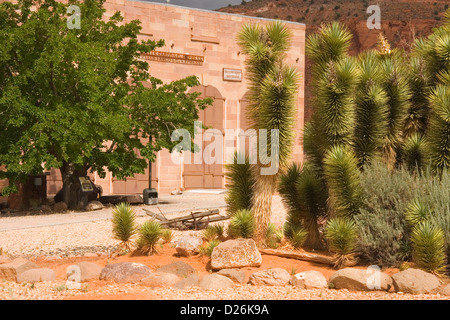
x,y
74,99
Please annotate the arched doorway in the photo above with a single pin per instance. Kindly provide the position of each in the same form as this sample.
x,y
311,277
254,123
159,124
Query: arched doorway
x,y
203,175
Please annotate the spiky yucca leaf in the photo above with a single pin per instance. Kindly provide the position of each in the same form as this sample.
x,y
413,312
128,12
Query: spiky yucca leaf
x,y
150,233
371,110
342,175
167,235
242,224
273,236
240,184
212,232
124,224
341,235
415,152
428,247
416,213
295,234
439,129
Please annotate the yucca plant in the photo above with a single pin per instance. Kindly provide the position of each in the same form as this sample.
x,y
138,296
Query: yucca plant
x,y
242,224
273,89
304,194
213,232
343,177
439,128
167,235
371,110
415,154
429,247
124,224
416,212
208,249
274,236
240,183
150,233
295,234
341,235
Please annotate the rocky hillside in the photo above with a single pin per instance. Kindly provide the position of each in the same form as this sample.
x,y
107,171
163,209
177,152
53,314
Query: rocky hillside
x,y
401,20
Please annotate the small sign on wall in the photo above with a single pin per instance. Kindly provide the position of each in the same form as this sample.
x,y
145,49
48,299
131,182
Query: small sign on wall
x,y
232,75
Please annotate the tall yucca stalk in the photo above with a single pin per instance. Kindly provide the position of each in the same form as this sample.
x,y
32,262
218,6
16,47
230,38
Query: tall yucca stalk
x,y
428,245
371,110
395,83
273,89
342,174
240,184
124,224
304,194
439,130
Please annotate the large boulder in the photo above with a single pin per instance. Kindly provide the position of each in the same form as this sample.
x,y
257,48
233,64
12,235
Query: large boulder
x,y
188,245
125,272
309,280
89,271
236,253
234,274
36,275
159,279
10,271
360,280
215,281
270,277
415,281
178,268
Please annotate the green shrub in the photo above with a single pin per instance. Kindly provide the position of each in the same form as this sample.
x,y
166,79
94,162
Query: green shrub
x,y
416,213
341,235
167,235
213,232
240,187
242,224
208,249
428,245
273,236
295,234
149,235
124,224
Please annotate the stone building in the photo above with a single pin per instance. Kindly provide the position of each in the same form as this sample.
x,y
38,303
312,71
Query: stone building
x,y
202,43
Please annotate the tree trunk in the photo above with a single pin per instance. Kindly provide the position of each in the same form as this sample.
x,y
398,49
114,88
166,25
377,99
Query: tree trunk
x,y
72,194
265,186
313,240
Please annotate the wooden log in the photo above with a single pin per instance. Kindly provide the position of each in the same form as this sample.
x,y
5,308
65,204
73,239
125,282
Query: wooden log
x,y
195,215
299,256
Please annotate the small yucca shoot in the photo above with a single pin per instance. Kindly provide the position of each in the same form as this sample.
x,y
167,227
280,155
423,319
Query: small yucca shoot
x,y
208,249
149,235
273,236
124,224
416,212
213,232
242,224
428,245
295,234
167,235
341,234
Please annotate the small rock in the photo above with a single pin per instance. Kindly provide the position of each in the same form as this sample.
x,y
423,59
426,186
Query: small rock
x,y
4,259
236,253
234,274
36,275
215,281
445,291
125,272
176,192
135,199
60,207
46,208
90,255
10,271
178,268
360,280
50,258
188,245
309,280
270,277
94,205
415,281
190,281
160,279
